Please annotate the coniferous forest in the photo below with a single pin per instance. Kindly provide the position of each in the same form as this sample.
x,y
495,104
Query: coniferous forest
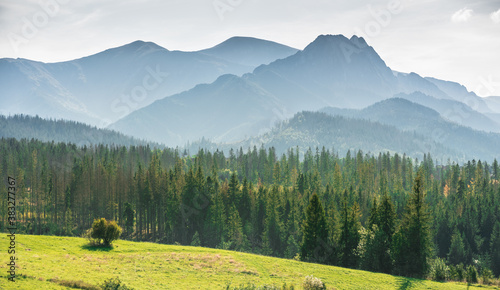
x,y
384,213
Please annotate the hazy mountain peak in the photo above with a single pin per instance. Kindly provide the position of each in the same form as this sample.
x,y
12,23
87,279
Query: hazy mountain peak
x,y
337,41
242,40
227,78
140,44
138,47
359,41
249,51
340,50
394,106
327,40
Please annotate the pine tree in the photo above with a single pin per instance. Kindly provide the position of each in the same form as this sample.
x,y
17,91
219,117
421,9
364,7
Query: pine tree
x,y
349,234
234,228
273,239
378,255
292,248
496,171
234,195
314,246
128,215
386,217
412,245
495,249
457,253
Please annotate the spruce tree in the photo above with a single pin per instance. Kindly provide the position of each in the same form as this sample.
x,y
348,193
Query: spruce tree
x,y
273,239
495,249
412,245
457,253
349,234
128,215
314,246
378,255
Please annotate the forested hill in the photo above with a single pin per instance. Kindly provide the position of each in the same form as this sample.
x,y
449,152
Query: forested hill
x,y
412,117
359,211
340,134
23,126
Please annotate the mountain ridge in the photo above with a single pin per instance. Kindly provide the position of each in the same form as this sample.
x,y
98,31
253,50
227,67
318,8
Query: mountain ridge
x,y
65,131
333,70
242,50
101,88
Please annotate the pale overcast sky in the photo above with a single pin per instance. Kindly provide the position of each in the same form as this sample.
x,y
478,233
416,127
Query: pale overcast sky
x,y
454,40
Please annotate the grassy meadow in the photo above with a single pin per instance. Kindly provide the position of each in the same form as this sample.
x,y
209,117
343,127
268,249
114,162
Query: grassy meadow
x,y
48,262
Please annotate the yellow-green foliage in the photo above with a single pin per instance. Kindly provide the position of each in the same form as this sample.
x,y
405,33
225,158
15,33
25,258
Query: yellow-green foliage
x,y
44,260
104,230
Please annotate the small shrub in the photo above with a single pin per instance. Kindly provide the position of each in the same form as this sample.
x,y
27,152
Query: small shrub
x,y
313,283
103,231
471,274
452,273
486,276
114,284
439,271
457,273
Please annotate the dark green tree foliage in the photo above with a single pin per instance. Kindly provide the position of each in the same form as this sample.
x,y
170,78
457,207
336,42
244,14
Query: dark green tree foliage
x,y
412,246
457,254
215,223
105,232
495,250
196,240
128,215
314,246
234,228
114,284
380,233
273,226
349,234
257,202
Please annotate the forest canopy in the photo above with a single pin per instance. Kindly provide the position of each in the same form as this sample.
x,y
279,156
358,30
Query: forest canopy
x,y
370,207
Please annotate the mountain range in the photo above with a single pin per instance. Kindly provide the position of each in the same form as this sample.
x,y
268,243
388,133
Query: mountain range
x,y
332,71
245,91
101,88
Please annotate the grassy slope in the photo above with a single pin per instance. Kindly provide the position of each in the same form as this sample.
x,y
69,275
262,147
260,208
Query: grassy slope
x,y
155,266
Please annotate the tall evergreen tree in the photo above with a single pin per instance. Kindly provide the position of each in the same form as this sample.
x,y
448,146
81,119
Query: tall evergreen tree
x,y
378,245
349,234
314,246
457,254
413,244
273,226
128,215
495,249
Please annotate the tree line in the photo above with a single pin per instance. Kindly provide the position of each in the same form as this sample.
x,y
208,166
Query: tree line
x,y
386,212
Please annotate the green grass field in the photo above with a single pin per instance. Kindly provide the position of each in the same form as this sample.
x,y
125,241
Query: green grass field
x,y
155,266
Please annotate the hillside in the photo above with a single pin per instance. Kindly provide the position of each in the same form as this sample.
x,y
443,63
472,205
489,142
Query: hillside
x,y
313,129
455,111
184,117
46,259
412,117
28,127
